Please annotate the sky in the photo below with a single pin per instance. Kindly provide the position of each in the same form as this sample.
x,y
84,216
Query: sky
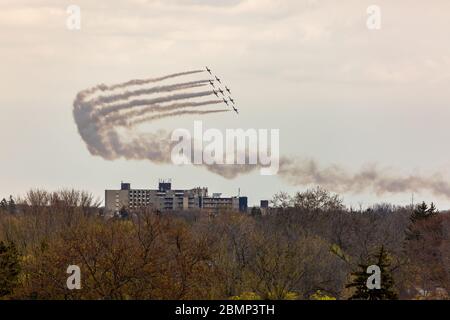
x,y
339,92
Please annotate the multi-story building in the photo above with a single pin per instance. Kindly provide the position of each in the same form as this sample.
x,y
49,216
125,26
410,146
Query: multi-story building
x,y
164,198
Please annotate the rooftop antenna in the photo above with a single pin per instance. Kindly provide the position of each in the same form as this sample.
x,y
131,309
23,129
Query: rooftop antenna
x,y
239,192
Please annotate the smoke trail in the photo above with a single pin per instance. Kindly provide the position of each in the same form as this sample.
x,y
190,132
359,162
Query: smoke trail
x,y
302,172
136,82
103,87
172,114
158,108
231,171
127,94
96,120
145,102
99,118
152,146
369,178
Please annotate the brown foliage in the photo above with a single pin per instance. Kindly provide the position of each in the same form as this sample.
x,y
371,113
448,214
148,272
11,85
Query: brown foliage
x,y
292,253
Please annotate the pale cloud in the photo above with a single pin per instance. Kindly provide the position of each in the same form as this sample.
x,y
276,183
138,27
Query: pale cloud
x,y
29,16
322,40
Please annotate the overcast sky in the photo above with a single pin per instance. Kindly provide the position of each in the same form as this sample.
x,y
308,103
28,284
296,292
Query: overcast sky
x,y
339,92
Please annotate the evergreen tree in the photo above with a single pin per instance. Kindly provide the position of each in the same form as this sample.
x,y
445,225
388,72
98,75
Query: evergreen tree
x,y
9,268
123,213
4,205
11,205
422,212
359,281
432,210
255,211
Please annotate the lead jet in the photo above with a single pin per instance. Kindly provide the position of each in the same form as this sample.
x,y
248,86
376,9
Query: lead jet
x,y
215,92
226,102
229,91
235,110
209,70
218,79
221,91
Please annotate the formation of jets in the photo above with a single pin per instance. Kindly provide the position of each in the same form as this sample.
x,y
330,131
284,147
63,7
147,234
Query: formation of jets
x,y
219,90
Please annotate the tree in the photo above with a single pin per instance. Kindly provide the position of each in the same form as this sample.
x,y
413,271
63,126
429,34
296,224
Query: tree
x,y
4,205
426,261
281,200
423,212
317,199
123,213
9,268
319,295
248,295
359,282
11,205
255,211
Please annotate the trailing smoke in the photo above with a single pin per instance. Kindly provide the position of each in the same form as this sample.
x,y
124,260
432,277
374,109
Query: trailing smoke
x,y
127,94
99,117
301,172
104,87
173,114
369,178
148,102
159,108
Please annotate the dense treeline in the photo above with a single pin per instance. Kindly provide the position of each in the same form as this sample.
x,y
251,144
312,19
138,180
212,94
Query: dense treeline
x,y
308,246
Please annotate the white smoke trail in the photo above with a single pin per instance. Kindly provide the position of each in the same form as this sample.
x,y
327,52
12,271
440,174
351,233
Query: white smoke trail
x,y
145,102
171,114
104,99
118,117
303,172
103,87
136,82
369,178
98,118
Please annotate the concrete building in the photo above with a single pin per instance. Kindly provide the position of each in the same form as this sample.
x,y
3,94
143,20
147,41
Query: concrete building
x,y
165,199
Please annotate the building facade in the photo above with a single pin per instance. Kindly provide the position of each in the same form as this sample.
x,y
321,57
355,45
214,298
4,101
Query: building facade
x,y
165,199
